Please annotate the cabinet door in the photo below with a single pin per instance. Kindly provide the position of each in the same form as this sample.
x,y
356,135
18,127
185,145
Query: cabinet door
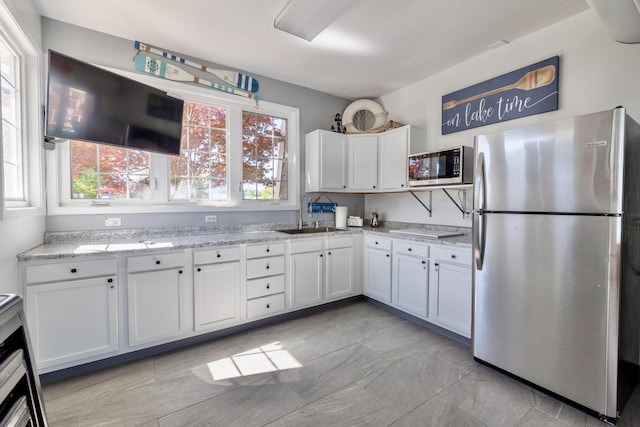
x,y
363,162
73,320
333,161
340,272
306,279
393,149
450,297
377,283
157,305
410,284
216,294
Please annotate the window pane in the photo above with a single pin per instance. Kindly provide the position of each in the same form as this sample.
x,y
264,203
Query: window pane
x,y
106,172
12,146
200,172
263,154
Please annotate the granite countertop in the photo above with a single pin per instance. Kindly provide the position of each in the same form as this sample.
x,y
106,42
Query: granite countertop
x,y
75,245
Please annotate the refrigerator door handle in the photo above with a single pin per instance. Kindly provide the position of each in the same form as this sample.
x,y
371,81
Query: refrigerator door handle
x,y
479,217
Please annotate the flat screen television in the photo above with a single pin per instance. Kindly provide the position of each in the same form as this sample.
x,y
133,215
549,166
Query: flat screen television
x,y
88,103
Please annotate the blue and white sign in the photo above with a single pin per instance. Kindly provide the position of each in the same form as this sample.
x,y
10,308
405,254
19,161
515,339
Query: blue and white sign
x,y
520,93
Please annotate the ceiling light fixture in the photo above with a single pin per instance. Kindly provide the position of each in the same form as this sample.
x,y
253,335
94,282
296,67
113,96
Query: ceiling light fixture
x,y
308,18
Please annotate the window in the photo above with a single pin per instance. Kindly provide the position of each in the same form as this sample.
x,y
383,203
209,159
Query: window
x,y
105,172
12,147
233,156
200,172
264,148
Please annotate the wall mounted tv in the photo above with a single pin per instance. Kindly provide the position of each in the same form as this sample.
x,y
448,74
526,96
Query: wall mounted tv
x,y
88,103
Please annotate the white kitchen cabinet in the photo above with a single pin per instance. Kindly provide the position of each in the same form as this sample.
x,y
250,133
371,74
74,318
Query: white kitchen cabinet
x,y
362,166
325,161
265,270
340,266
393,152
377,268
450,289
216,291
158,305
306,272
360,163
410,277
71,313
322,270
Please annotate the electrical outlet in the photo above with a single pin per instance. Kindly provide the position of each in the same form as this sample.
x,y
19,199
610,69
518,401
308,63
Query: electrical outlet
x,y
467,216
112,222
210,218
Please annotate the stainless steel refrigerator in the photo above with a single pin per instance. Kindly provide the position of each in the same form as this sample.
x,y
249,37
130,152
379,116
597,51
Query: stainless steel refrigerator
x,y
556,231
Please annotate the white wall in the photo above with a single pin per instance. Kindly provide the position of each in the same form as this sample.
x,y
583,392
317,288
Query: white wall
x,y
19,233
595,73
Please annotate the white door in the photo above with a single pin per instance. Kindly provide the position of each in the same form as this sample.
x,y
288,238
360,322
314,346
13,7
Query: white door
x,y
333,161
216,294
157,305
82,312
363,162
393,149
306,278
340,272
450,297
377,284
410,283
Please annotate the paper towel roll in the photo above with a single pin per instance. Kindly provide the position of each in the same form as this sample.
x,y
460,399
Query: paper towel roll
x,y
341,217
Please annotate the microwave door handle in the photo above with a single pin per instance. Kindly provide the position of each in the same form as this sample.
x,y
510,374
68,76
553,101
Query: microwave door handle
x,y
479,216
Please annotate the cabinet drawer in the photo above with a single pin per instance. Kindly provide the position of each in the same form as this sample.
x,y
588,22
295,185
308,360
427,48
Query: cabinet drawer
x,y
264,306
70,270
265,267
155,262
377,242
339,242
307,245
410,248
212,256
270,249
456,256
265,286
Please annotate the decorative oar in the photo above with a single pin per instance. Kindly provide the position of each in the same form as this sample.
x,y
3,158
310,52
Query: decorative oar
x,y
160,68
241,81
532,80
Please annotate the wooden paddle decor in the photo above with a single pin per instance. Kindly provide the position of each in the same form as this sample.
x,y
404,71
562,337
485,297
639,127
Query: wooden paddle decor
x,y
523,92
532,80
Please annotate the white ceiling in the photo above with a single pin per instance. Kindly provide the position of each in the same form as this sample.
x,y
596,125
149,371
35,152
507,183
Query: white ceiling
x,y
376,47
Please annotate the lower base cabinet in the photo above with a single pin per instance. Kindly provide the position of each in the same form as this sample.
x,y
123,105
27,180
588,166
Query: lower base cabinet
x,y
306,272
216,288
411,277
377,269
450,290
73,320
157,299
339,268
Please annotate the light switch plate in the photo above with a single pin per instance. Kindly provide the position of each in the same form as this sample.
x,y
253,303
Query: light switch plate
x,y
112,222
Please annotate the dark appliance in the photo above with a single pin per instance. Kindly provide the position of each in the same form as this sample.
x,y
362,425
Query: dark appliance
x,y
20,394
88,103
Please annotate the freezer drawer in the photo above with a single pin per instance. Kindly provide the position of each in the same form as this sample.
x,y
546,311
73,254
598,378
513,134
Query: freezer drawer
x,y
542,299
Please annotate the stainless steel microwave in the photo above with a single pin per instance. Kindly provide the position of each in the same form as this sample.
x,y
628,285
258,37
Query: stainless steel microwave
x,y
450,166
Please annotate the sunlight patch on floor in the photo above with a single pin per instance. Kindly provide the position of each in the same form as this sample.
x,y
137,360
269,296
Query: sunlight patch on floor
x,y
267,358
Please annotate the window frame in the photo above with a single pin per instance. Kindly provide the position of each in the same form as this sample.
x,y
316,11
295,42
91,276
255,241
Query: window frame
x,y
59,168
30,79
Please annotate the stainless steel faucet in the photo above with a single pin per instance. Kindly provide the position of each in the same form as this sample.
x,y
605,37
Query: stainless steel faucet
x,y
300,222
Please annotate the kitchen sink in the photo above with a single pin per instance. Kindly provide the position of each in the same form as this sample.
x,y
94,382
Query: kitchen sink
x,y
308,230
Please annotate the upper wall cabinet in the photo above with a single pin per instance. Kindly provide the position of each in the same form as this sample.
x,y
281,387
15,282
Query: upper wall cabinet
x,y
362,163
326,161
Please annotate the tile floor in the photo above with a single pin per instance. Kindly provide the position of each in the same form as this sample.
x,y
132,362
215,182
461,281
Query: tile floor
x,y
348,366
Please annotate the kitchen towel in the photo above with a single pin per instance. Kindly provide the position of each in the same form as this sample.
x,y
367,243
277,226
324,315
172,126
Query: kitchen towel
x,y
341,217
